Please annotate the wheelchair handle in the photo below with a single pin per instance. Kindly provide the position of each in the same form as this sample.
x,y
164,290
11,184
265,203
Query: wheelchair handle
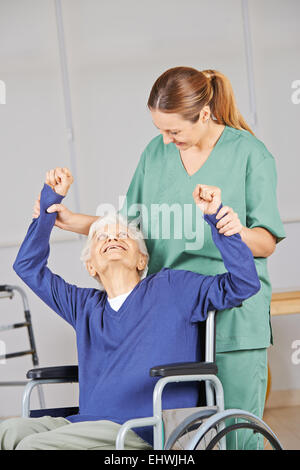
x,y
4,288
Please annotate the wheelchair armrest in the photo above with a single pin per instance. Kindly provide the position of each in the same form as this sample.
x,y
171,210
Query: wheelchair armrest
x,y
59,372
184,368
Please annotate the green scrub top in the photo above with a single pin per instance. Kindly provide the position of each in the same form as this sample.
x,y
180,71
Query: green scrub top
x,y
176,235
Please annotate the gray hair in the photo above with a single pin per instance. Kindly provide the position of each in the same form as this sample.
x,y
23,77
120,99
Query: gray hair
x,y
115,218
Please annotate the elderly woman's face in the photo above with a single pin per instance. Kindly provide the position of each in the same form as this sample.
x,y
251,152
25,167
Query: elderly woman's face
x,y
114,243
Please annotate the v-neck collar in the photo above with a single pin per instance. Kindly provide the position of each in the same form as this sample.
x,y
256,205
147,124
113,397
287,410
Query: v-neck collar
x,y
209,158
117,314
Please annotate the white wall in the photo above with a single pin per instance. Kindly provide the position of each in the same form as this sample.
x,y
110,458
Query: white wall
x,y
115,50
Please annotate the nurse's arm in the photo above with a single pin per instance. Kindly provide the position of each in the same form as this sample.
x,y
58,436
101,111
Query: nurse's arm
x,y
261,242
70,221
66,219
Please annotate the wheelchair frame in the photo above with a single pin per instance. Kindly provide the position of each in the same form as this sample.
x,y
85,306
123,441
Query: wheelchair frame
x,y
170,373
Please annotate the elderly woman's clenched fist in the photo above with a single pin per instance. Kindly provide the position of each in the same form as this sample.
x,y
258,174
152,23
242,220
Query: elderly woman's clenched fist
x,y
208,199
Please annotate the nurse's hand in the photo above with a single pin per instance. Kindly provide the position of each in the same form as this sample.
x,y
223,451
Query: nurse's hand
x,y
64,218
229,223
207,198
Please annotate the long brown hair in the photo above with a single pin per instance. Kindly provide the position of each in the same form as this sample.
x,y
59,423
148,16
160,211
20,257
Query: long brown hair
x,y
185,91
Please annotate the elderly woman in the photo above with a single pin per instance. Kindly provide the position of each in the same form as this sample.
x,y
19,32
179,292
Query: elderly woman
x,y
120,338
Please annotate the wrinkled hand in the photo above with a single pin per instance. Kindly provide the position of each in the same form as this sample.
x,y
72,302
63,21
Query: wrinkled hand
x,y
60,180
207,198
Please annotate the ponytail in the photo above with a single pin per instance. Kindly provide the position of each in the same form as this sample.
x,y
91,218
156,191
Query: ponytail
x,y
185,91
223,105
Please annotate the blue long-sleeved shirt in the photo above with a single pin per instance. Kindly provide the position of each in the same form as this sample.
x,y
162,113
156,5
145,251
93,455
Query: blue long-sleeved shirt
x,y
157,323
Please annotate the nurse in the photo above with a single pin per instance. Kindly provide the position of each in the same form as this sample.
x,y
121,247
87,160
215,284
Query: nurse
x,y
204,140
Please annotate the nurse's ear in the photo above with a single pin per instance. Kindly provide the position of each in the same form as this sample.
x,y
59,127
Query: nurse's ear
x,y
205,114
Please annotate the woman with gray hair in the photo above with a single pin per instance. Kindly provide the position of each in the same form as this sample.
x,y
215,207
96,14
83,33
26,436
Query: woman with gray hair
x,y
118,344
114,226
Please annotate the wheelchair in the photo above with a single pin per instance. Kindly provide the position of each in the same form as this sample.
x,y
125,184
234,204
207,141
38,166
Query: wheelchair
x,y
203,428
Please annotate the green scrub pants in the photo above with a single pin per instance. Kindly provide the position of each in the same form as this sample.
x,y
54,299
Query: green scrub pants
x,y
244,376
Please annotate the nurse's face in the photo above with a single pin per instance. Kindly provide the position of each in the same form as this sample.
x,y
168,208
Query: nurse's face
x,y
184,134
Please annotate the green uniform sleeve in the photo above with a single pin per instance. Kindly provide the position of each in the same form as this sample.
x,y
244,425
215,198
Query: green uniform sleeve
x,y
261,198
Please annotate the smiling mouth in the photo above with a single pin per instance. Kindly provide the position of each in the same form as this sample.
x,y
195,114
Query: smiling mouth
x,y
114,247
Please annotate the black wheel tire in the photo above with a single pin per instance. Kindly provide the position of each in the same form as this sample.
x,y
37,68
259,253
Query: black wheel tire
x,y
256,428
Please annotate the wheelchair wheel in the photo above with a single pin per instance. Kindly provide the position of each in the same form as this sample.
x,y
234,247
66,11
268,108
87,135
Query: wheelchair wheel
x,y
242,428
269,442
182,434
